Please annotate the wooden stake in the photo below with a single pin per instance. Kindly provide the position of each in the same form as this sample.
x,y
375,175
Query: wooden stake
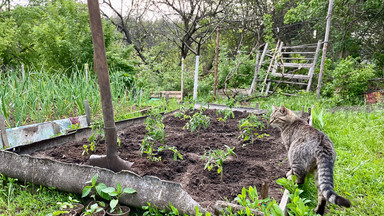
x,y
216,61
264,190
182,79
327,30
3,132
87,112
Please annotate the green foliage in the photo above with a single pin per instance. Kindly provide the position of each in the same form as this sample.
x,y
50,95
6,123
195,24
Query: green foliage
x,y
155,134
69,204
97,128
216,158
115,194
107,193
226,114
268,29
93,209
18,198
198,121
249,199
297,206
250,128
350,80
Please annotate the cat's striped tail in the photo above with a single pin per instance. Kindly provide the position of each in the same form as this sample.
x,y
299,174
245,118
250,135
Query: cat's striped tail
x,y
325,175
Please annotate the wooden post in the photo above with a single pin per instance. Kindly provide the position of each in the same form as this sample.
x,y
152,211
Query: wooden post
x,y
86,71
87,112
257,69
216,61
182,79
195,85
3,132
327,30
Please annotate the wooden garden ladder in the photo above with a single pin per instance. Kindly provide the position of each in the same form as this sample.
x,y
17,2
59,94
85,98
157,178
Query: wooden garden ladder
x,y
290,60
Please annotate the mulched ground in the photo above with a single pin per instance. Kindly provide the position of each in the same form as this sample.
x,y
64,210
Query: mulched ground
x,y
263,160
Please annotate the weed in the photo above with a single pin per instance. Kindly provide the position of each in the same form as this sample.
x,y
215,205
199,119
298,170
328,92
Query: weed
x,y
216,158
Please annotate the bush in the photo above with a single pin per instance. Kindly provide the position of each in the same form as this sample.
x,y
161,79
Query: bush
x,y
350,80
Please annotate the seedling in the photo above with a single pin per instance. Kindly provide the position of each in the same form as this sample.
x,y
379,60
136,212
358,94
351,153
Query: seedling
x,y
198,121
184,108
216,158
226,114
94,208
176,153
97,130
66,205
250,128
155,134
115,194
249,199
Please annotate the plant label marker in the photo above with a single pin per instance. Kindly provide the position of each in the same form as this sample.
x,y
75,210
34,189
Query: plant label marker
x,y
3,132
111,160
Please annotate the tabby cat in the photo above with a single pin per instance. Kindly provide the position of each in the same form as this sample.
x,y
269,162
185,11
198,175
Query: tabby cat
x,y
309,150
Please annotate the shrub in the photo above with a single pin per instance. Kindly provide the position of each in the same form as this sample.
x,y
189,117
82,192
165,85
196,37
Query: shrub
x,y
350,79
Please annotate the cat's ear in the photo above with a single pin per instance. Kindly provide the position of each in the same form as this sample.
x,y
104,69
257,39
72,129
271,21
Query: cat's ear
x,y
274,108
283,110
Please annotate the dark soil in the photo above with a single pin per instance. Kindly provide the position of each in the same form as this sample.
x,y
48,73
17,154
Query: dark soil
x,y
263,160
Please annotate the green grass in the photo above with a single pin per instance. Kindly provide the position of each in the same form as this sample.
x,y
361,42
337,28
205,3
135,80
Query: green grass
x,y
27,199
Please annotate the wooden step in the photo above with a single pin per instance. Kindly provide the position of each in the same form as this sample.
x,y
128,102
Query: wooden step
x,y
297,65
298,52
291,76
288,82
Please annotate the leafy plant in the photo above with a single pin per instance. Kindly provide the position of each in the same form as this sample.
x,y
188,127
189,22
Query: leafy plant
x,y
249,199
152,210
69,204
176,153
226,114
97,130
216,159
198,121
115,194
94,208
155,134
349,79
183,109
250,128
297,206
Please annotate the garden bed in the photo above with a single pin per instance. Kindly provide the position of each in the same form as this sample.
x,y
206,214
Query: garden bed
x,y
262,161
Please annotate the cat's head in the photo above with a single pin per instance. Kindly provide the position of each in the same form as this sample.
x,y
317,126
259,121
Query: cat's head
x,y
281,117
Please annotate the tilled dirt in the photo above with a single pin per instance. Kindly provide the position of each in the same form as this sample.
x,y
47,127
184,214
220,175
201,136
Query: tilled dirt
x,y
258,162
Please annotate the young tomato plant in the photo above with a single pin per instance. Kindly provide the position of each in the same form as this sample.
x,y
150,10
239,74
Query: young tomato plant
x,y
226,114
250,128
216,159
156,134
198,121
